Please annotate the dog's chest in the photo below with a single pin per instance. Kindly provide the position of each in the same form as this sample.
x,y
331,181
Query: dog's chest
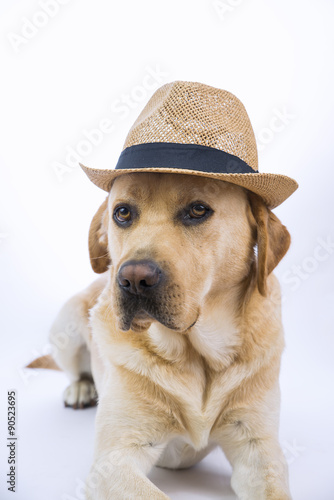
x,y
198,394
192,383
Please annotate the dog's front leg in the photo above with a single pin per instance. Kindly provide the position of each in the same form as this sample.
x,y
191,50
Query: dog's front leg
x,y
129,442
121,476
248,437
260,471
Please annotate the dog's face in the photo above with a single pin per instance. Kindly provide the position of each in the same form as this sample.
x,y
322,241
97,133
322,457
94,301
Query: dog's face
x,y
173,239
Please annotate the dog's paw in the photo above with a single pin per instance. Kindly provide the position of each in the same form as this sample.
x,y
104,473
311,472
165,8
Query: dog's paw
x,y
80,394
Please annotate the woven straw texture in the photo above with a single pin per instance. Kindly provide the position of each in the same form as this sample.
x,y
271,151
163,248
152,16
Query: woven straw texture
x,y
193,113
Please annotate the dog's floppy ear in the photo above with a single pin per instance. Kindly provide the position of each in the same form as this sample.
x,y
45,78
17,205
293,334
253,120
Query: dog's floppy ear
x,y
273,240
98,240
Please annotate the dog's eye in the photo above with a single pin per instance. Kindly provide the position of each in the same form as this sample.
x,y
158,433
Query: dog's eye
x,y
122,214
197,211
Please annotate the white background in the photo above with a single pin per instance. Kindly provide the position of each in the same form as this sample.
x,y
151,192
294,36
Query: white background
x,y
65,77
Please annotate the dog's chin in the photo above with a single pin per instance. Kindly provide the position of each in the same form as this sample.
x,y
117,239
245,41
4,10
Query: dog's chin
x,y
142,321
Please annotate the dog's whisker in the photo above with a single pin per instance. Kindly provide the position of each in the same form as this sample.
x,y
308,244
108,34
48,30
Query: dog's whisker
x,y
100,256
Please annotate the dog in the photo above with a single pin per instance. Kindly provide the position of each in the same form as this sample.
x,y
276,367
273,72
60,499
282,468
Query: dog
x,y
180,338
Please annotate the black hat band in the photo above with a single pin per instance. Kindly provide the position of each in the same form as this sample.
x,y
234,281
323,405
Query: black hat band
x,y
186,156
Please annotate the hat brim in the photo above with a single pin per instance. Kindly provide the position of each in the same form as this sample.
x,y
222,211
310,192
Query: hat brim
x,y
273,188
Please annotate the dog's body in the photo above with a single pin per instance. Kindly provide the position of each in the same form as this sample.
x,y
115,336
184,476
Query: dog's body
x,y
182,335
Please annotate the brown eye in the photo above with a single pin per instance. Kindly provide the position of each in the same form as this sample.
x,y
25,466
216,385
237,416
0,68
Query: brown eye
x,y
122,214
197,211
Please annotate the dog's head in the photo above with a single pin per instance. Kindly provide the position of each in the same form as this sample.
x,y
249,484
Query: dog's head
x,y
170,240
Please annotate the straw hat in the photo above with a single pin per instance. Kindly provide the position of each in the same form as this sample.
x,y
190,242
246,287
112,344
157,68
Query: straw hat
x,y
191,128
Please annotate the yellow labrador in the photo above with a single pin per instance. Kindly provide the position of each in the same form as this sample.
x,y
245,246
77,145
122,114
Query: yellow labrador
x,y
181,334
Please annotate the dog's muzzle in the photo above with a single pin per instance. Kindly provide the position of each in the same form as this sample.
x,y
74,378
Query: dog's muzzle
x,y
146,293
143,293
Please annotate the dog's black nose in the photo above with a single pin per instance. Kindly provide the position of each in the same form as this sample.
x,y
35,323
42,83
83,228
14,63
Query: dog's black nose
x,y
139,276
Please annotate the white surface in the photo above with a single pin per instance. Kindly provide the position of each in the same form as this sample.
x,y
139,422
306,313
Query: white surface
x,y
274,56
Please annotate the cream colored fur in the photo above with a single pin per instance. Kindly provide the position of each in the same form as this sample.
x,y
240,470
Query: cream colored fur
x,y
168,395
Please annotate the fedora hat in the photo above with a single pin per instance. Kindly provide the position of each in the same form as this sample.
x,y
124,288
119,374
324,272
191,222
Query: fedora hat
x,y
195,129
